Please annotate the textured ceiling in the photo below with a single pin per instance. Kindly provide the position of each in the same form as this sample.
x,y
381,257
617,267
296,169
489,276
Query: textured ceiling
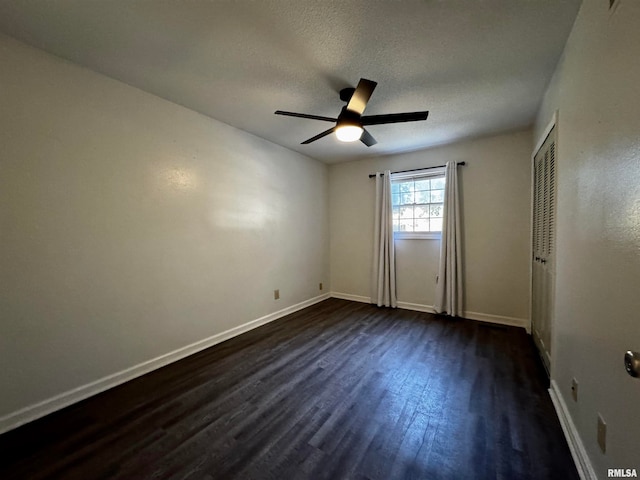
x,y
479,66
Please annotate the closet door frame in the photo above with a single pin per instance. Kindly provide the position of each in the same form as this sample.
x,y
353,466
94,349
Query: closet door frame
x,y
547,357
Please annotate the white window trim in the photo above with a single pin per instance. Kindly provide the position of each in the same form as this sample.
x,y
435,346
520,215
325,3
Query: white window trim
x,y
417,235
427,172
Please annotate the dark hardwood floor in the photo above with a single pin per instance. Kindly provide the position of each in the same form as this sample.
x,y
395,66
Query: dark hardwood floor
x,y
340,390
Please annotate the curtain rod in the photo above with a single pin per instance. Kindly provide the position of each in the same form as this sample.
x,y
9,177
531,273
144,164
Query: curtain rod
x,y
371,175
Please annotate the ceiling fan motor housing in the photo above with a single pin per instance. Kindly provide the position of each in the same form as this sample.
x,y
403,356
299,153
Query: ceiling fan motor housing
x,y
346,94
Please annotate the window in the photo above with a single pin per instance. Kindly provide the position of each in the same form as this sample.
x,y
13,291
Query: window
x,y
418,202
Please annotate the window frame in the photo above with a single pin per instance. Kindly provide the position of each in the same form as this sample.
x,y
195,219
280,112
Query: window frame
x,y
412,175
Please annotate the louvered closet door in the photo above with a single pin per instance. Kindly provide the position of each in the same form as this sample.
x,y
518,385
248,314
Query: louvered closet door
x,y
543,246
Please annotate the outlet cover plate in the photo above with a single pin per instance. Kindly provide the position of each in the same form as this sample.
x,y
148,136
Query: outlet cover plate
x,y
602,434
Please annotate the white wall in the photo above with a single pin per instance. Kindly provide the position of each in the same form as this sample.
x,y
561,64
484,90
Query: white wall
x,y
495,186
596,92
131,227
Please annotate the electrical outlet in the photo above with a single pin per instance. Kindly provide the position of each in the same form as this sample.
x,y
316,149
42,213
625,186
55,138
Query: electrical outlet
x,y
276,294
602,434
574,389
320,285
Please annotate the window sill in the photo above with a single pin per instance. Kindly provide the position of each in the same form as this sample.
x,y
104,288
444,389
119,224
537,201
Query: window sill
x,y
417,235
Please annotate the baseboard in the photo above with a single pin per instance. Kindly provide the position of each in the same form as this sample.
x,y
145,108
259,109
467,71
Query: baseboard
x,y
483,317
416,307
404,305
348,296
499,319
578,452
33,412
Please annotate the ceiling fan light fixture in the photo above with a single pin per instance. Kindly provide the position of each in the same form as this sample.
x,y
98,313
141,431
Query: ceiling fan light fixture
x,y
349,133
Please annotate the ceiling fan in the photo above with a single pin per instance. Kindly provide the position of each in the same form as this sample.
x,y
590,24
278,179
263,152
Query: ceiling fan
x,y
350,123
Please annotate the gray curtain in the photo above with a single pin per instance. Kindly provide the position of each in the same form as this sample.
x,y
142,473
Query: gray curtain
x,y
449,288
383,281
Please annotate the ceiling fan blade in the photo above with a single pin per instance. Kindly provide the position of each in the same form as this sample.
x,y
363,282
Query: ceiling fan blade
x,y
394,118
319,136
361,96
304,115
367,138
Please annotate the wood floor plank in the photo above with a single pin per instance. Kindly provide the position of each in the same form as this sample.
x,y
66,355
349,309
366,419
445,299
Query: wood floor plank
x,y
338,390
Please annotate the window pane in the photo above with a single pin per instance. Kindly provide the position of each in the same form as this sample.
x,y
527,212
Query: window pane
x,y
437,196
422,184
406,212
418,204
421,211
406,226
435,210
406,198
406,187
437,183
422,197
422,225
